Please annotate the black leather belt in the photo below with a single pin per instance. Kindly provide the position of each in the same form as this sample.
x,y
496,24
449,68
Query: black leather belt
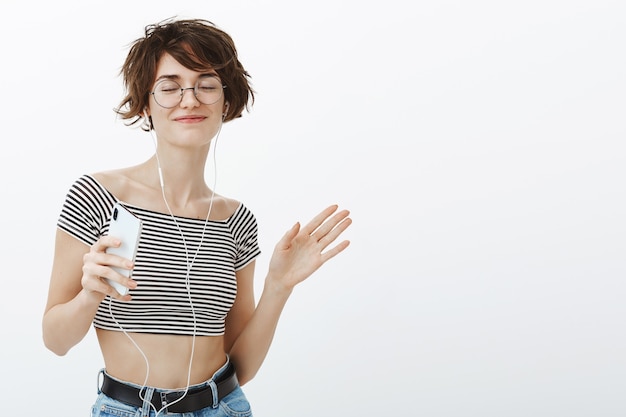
x,y
194,400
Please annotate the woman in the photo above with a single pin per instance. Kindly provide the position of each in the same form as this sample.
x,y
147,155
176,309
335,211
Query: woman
x,y
188,333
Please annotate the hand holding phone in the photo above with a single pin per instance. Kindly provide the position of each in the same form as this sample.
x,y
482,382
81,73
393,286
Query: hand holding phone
x,y
125,226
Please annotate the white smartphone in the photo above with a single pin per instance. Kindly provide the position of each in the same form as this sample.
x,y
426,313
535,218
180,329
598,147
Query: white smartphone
x,y
126,227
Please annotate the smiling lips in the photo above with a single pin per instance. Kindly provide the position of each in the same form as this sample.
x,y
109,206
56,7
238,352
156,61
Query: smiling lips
x,y
190,119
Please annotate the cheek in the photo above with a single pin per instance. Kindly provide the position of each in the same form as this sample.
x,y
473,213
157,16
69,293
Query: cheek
x,y
158,114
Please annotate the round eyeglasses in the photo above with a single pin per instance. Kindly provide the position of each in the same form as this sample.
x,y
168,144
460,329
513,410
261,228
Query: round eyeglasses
x,y
168,93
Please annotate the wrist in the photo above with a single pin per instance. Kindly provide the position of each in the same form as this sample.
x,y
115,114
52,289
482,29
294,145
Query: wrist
x,y
90,298
276,287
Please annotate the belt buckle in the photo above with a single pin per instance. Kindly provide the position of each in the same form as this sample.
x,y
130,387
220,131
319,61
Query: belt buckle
x,y
164,403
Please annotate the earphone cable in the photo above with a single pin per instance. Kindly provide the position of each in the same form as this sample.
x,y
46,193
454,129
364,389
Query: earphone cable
x,y
188,273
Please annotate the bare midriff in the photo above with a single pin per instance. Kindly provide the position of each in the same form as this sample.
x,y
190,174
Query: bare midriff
x,y
168,358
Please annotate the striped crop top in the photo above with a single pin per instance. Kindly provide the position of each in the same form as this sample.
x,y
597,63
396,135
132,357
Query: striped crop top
x,y
161,301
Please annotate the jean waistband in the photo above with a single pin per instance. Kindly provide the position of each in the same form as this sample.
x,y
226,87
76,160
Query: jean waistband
x,y
174,401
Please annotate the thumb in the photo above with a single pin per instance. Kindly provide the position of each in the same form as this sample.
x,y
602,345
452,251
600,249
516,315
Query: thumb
x,y
285,241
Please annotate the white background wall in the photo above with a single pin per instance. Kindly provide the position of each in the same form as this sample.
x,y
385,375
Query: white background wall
x,y
479,145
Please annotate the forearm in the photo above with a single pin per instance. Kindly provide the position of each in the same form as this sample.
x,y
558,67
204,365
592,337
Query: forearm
x,y
299,253
251,347
64,325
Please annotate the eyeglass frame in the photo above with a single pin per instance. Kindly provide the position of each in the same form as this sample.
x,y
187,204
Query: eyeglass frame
x,y
182,93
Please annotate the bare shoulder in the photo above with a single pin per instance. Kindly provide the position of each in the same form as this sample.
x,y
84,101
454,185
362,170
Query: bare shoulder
x,y
136,186
112,180
224,207
126,184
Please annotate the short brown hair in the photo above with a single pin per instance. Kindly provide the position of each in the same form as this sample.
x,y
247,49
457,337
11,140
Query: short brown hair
x,y
196,44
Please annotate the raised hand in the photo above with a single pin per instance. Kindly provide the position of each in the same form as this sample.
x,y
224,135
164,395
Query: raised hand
x,y
301,251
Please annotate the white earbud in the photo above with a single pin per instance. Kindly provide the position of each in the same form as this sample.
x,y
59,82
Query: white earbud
x,y
147,120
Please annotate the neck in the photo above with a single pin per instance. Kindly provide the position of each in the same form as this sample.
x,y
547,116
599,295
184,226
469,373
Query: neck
x,y
182,180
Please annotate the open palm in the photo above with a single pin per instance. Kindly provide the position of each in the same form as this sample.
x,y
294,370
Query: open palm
x,y
300,252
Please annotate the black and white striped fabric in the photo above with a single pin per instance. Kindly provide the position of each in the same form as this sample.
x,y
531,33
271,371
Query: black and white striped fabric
x,y
166,299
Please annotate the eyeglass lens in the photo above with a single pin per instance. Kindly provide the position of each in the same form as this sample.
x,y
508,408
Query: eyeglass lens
x,y
168,93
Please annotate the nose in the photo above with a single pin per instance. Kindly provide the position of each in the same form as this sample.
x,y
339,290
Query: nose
x,y
186,102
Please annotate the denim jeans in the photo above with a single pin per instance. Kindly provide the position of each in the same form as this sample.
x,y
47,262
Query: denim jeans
x,y
234,404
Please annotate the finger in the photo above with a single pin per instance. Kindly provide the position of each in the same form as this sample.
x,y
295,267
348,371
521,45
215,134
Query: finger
x,y
319,219
96,261
96,284
124,282
331,236
285,241
110,290
98,266
106,242
331,253
330,224
99,283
